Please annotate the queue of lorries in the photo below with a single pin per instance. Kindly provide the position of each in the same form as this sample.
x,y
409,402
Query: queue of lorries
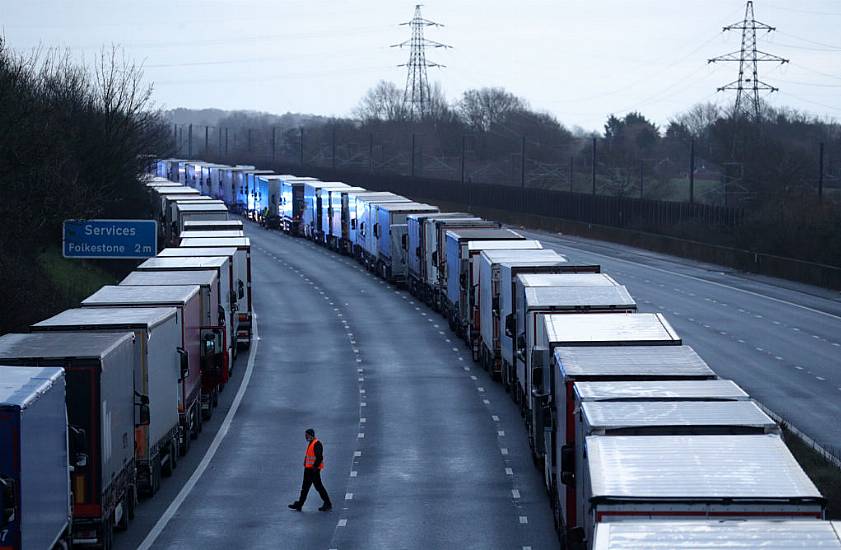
x,y
641,445
99,402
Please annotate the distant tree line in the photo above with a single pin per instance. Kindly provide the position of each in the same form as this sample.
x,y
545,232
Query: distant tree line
x,y
75,142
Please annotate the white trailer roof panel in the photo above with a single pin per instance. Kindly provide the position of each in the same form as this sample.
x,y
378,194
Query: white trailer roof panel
x,y
660,389
695,467
672,361
505,244
613,415
205,206
155,278
521,256
205,262
579,297
721,535
80,345
21,386
615,328
187,252
234,242
212,234
108,317
232,224
566,279
141,295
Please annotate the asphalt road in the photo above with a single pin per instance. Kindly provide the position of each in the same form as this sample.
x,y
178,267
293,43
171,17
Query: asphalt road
x,y
780,341
422,449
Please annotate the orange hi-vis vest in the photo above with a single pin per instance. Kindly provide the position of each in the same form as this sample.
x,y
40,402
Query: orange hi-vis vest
x,y
309,458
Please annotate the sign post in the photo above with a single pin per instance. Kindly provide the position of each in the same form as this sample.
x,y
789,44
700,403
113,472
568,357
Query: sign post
x,y
110,239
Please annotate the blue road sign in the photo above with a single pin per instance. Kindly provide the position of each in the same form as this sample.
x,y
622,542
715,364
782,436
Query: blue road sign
x,y
126,239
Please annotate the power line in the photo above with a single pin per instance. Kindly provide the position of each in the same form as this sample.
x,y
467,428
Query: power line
x,y
748,59
416,96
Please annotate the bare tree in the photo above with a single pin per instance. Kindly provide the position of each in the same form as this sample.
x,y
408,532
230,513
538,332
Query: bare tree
x,y
382,102
481,109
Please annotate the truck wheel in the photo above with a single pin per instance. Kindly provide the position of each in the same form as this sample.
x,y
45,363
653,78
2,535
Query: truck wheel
x,y
156,474
107,541
185,445
174,459
122,525
166,469
132,501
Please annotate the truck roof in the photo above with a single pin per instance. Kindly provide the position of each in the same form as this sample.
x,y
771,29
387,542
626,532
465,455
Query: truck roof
x,y
593,329
22,386
695,467
107,317
566,279
154,278
238,242
187,252
485,233
203,206
199,262
174,295
407,207
579,297
326,184
183,190
421,216
511,256
504,244
213,223
660,389
632,361
727,535
212,234
370,193
613,415
53,345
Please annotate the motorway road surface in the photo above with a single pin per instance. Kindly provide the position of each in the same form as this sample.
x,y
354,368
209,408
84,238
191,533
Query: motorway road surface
x,y
422,449
780,341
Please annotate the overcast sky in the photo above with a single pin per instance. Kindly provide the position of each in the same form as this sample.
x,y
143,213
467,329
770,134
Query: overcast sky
x,y
577,59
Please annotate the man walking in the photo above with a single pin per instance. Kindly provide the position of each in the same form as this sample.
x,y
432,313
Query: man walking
x,y
313,464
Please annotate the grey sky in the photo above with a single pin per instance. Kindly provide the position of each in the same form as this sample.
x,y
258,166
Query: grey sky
x,y
579,60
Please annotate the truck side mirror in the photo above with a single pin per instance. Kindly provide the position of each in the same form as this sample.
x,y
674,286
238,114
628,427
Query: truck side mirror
x,y
8,500
353,223
233,298
221,315
143,415
78,446
568,463
185,363
435,257
240,289
537,378
404,241
521,343
495,304
417,251
509,325
377,230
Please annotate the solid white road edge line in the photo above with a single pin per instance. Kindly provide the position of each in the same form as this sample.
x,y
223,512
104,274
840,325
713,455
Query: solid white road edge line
x,y
179,499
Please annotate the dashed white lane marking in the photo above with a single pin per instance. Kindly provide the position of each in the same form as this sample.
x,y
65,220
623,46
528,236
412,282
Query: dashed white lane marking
x,y
363,420
360,435
495,418
798,367
524,519
363,404
481,389
821,378
486,402
342,523
473,378
778,358
353,473
500,433
348,496
504,451
179,499
455,349
509,471
357,453
515,493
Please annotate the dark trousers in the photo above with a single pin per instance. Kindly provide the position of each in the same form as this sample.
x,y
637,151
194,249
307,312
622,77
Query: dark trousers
x,y
312,476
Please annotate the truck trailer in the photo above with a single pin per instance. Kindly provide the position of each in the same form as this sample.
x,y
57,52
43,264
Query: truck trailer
x,y
358,224
311,215
158,368
238,249
102,418
215,366
332,216
213,225
700,477
227,295
292,203
34,483
392,239
417,244
187,301
553,420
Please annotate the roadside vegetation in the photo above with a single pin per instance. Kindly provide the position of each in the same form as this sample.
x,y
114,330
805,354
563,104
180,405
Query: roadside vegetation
x,y
74,144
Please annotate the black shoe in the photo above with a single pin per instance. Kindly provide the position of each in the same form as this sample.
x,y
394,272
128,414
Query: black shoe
x,y
326,507
296,506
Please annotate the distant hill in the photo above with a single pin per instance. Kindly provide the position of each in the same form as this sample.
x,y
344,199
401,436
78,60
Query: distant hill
x,y
234,119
